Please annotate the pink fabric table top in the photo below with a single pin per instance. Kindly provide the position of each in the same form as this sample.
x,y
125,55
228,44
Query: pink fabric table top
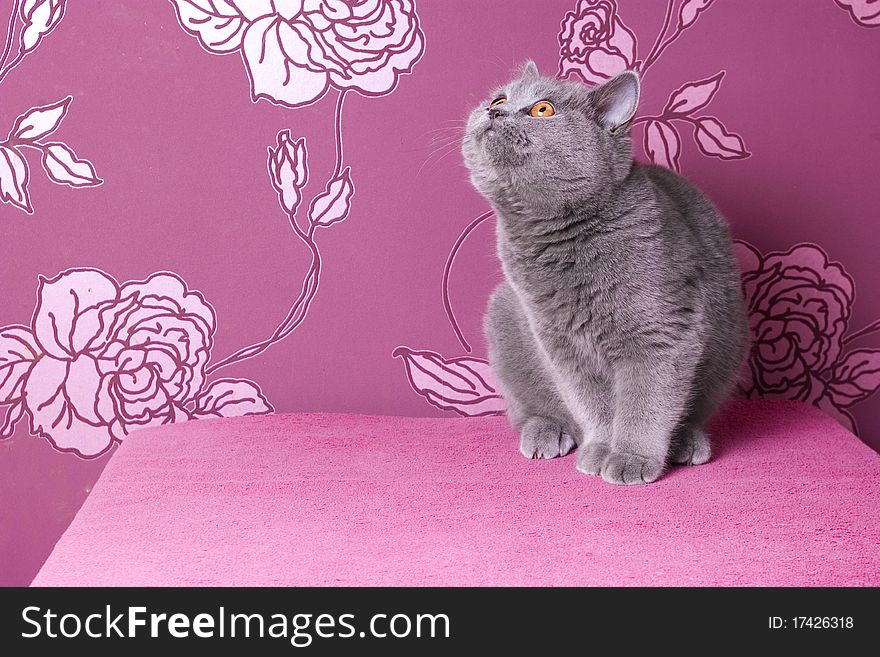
x,y
790,498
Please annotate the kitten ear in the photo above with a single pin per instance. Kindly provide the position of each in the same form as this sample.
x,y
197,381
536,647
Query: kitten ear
x,y
529,71
616,100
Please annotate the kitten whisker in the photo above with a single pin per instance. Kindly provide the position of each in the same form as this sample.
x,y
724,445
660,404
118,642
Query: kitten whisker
x,y
434,144
447,135
455,129
442,147
497,61
445,150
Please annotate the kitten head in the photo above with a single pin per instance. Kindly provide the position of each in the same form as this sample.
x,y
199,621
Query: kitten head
x,y
548,143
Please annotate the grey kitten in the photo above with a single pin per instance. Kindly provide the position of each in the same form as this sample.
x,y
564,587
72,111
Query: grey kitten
x,y
620,326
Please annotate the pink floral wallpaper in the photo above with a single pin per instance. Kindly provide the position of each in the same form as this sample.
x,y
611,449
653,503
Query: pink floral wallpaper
x,y
215,208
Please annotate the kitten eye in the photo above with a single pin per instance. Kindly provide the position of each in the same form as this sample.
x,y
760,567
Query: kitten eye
x,y
498,101
542,109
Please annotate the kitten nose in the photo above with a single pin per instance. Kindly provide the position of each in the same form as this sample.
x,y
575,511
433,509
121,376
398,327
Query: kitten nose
x,y
494,113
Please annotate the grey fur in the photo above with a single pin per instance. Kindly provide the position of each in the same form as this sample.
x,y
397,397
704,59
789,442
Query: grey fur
x,y
620,326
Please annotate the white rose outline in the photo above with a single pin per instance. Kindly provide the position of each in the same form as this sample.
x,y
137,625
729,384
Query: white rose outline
x,y
295,50
101,359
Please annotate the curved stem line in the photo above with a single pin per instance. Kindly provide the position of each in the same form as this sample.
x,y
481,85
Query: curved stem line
x,y
37,146
645,119
870,328
447,270
9,31
300,308
653,54
663,47
337,127
11,65
294,316
665,117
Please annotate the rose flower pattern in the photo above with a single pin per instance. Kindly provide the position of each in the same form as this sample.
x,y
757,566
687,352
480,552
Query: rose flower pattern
x,y
863,12
594,43
799,305
294,50
102,359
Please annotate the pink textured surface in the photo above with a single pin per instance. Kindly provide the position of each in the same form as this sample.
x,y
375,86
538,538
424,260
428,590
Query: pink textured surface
x,y
318,499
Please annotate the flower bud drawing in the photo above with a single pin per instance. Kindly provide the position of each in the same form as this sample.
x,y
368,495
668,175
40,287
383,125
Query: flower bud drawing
x,y
289,170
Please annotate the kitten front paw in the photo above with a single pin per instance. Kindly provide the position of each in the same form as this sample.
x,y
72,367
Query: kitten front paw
x,y
625,468
544,439
591,457
693,447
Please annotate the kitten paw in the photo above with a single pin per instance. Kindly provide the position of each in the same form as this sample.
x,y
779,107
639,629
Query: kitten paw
x,y
693,447
624,468
544,439
591,457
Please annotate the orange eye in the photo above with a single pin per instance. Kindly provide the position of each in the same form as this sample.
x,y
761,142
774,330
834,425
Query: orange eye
x,y
542,109
497,102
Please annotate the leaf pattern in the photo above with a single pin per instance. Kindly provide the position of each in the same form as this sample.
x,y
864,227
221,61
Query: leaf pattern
x,y
14,179
58,160
856,377
464,384
334,204
693,96
231,398
41,121
690,10
714,139
663,145
62,166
